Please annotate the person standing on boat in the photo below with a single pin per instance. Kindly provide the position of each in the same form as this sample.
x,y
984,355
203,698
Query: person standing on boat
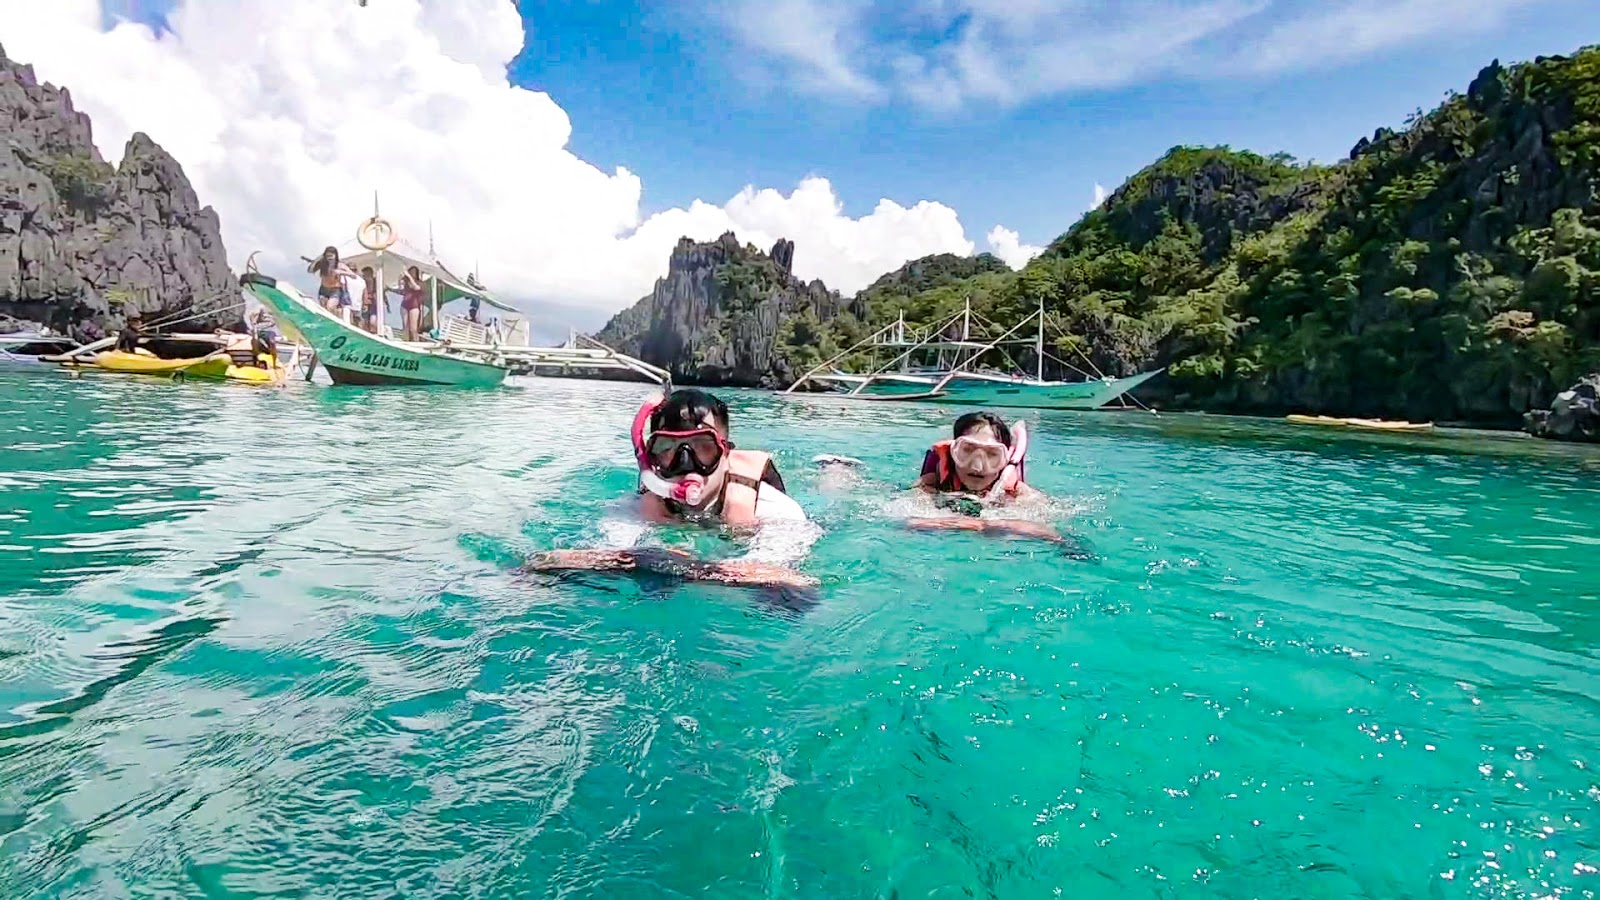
x,y
372,301
690,471
331,273
411,302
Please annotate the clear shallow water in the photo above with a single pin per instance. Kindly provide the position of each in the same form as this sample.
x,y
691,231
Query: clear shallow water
x,y
270,643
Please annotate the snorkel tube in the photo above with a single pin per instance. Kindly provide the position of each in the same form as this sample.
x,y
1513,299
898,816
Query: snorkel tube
x,y
687,491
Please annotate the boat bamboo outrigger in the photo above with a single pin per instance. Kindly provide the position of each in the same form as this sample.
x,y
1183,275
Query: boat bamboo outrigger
x,y
459,350
956,375
32,344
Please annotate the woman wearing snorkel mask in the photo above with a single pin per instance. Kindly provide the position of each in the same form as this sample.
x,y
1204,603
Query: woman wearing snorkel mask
x,y
689,470
980,467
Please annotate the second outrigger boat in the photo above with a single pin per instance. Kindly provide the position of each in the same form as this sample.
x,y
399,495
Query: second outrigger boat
x,y
1368,424
458,351
957,375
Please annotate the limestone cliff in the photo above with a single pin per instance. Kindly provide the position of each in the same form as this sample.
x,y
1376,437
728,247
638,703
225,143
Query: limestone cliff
x,y
719,314
82,244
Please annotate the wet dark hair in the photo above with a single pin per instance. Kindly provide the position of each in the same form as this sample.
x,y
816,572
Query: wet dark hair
x,y
971,421
322,266
685,410
367,270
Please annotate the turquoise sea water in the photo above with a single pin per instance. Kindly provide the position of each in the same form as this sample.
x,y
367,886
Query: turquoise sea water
x,y
269,643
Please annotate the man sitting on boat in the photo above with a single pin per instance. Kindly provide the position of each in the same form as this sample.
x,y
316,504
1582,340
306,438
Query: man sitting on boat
x,y
128,339
980,466
689,471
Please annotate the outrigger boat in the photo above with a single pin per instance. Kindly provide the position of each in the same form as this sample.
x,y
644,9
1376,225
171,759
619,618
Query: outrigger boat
x,y
957,376
459,350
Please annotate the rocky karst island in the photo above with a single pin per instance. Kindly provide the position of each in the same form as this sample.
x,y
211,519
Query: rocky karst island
x,y
82,242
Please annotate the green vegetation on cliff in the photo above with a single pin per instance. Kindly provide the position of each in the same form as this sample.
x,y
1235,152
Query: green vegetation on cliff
x,y
1446,271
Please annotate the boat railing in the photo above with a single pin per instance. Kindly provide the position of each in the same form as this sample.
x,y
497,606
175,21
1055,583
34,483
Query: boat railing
x,y
457,331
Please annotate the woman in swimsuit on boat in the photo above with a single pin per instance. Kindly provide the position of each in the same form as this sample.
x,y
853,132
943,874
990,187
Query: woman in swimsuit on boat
x,y
411,302
330,272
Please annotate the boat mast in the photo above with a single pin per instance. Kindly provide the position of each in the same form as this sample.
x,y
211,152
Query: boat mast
x,y
900,338
433,289
383,324
1040,348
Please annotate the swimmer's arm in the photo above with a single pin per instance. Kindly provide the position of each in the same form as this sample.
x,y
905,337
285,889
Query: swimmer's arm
x,y
744,572
1008,527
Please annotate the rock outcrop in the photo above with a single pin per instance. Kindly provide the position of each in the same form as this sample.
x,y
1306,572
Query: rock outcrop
x,y
1574,415
929,273
83,244
716,317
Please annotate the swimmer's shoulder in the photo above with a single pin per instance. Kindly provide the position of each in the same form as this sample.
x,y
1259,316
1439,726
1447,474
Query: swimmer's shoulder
x,y
773,505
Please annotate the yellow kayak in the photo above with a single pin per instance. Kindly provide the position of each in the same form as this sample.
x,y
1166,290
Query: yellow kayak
x,y
1371,424
216,367
213,366
256,374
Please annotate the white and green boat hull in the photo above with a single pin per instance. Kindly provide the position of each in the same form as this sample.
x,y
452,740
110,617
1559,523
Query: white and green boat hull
x,y
353,356
969,389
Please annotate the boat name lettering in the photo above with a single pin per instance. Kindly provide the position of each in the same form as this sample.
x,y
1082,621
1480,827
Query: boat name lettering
x,y
381,361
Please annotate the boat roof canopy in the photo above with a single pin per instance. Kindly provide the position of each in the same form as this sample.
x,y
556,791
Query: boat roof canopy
x,y
391,263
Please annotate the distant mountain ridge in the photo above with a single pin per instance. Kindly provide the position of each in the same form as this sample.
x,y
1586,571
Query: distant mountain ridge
x,y
1445,271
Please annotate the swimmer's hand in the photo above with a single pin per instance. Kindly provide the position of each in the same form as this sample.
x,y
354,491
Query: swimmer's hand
x,y
1010,527
583,560
746,572
670,562
962,524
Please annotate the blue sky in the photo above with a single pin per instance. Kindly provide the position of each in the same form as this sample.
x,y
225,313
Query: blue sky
x,y
701,99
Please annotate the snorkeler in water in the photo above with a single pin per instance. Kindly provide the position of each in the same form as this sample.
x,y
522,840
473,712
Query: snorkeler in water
x,y
981,467
690,471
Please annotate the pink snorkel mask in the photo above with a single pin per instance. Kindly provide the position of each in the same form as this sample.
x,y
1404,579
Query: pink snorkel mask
x,y
687,490
994,456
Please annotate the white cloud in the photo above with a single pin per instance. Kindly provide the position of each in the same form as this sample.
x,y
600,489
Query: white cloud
x,y
1008,245
1100,194
815,38
287,114
1340,32
945,54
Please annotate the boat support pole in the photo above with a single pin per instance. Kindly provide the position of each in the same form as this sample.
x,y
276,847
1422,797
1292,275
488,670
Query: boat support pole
x,y
658,375
872,337
807,376
977,353
932,335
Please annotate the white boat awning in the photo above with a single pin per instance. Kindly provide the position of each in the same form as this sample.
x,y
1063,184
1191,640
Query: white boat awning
x,y
391,263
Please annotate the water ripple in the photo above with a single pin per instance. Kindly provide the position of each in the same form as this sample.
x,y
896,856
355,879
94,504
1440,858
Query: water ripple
x,y
270,642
